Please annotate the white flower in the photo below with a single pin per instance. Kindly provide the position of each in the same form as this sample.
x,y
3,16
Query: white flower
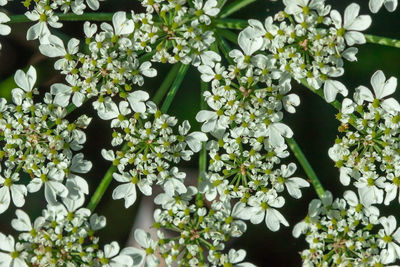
x,y
43,17
375,5
77,186
9,189
391,190
89,29
276,132
136,100
26,82
53,187
174,182
345,174
23,224
250,43
391,250
4,29
212,120
263,208
292,184
111,253
122,25
352,24
10,255
236,257
204,12
332,88
194,139
382,88
127,190
369,188
93,4
299,6
137,255
63,94
290,102
145,241
214,74
55,48
360,205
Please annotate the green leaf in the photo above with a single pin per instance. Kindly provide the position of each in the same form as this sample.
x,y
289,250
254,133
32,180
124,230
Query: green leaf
x,y
234,7
225,48
228,35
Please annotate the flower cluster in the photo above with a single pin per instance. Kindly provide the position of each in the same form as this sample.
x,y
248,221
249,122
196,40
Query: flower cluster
x,y
111,68
348,232
311,41
151,147
368,150
247,100
184,31
249,138
193,231
65,235
37,139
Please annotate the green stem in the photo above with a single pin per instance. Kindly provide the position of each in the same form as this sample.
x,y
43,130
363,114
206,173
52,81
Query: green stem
x,y
221,3
232,24
166,84
298,153
105,182
234,7
225,48
174,88
230,36
94,16
373,39
336,104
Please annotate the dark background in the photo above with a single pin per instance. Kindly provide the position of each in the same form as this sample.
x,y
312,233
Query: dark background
x,y
314,125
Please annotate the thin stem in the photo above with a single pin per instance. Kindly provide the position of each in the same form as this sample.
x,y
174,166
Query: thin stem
x,y
94,16
203,151
230,36
232,24
221,3
166,84
174,88
234,7
105,182
373,39
225,48
298,153
336,104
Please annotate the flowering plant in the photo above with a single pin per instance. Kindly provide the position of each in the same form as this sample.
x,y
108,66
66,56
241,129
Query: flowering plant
x,y
244,147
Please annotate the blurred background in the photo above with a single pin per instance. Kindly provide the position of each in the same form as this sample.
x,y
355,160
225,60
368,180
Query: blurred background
x,y
314,126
